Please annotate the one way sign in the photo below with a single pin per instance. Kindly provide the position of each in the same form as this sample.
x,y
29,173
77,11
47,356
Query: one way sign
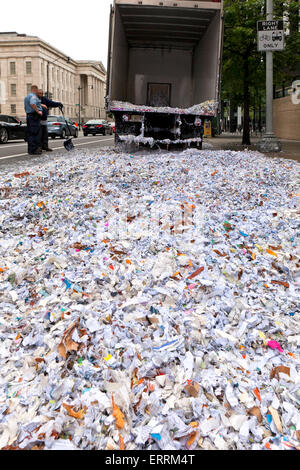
x,y
270,35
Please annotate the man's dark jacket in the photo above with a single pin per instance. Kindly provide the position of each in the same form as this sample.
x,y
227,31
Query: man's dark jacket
x,y
49,104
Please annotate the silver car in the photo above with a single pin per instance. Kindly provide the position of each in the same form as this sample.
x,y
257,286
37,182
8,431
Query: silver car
x,y
57,127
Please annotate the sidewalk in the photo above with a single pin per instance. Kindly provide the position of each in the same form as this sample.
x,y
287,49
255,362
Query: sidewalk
x,y
290,148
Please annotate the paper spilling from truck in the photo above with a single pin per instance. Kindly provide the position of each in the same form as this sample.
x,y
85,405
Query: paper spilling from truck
x,y
179,127
208,108
164,59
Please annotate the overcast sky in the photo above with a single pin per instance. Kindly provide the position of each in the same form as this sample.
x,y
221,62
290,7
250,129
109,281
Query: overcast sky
x,y
79,28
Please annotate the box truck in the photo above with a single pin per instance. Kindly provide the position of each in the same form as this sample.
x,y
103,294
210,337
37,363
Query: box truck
x,y
164,69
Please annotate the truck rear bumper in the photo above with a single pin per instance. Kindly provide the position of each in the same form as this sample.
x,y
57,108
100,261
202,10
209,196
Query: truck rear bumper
x,y
149,141
150,128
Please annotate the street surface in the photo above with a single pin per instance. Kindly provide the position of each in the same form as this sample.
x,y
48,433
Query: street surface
x,y
226,141
16,151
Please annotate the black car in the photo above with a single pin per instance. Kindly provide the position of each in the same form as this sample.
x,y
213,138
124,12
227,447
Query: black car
x,y
97,126
60,127
11,129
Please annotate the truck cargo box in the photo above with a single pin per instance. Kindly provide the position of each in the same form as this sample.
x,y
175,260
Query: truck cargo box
x,y
164,69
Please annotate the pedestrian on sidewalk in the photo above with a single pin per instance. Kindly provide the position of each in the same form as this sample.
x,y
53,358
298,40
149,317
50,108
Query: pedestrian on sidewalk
x,y
44,139
34,111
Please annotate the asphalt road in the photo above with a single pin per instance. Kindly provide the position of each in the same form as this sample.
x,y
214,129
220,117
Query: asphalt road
x,y
16,151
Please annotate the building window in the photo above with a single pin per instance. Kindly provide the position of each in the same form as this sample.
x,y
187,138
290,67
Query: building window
x,y
13,108
28,88
28,68
13,89
12,67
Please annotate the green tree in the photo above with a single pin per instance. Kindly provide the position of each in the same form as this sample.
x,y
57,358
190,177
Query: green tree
x,y
287,62
243,65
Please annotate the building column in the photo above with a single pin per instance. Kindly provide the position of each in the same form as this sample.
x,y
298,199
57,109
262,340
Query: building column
x,y
89,97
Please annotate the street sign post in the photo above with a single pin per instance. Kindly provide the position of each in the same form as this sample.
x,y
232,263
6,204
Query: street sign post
x,y
270,35
270,38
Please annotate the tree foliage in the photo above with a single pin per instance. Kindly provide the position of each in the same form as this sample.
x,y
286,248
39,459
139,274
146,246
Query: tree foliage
x,y
243,66
287,62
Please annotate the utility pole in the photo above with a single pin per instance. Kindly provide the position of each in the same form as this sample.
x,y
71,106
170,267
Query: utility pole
x,y
269,143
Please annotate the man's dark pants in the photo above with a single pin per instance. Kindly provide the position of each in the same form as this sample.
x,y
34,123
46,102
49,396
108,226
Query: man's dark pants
x,y
33,132
44,137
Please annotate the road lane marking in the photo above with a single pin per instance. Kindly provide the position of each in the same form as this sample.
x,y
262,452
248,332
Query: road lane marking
x,y
19,144
13,145
56,148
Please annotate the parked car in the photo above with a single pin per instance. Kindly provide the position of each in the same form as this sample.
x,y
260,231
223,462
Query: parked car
x,y
97,126
113,126
57,127
11,129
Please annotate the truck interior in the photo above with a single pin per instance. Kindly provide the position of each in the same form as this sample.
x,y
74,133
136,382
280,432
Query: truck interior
x,y
162,54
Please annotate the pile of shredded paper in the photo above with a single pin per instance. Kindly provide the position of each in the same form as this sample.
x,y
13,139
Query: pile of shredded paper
x,y
150,301
208,108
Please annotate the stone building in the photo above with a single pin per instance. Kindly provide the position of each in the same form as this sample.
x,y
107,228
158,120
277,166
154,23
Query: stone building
x,y
27,60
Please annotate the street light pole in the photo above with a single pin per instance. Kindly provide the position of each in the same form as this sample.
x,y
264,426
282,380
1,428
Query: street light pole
x,y
269,143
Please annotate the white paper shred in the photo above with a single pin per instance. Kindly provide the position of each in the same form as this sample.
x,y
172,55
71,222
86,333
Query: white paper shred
x,y
150,301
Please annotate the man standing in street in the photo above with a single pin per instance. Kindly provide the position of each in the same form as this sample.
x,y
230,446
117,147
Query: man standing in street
x,y
44,143
34,111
